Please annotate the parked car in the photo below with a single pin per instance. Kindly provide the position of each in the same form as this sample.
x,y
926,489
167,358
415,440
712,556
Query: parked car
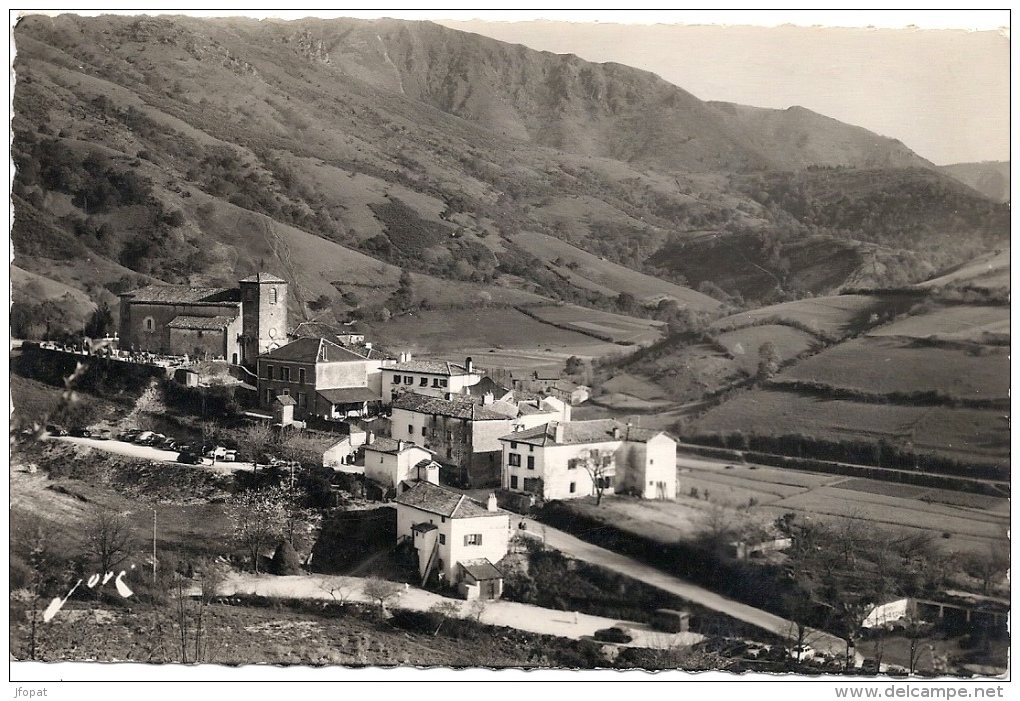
x,y
80,432
216,452
802,652
612,635
230,456
104,434
143,438
189,459
129,434
55,430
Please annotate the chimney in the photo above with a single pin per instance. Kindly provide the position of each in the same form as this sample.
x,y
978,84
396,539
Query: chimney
x,y
488,398
469,365
370,438
491,504
558,431
616,433
400,445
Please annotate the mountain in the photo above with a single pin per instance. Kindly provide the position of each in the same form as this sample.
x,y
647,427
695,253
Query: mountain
x,y
990,178
338,153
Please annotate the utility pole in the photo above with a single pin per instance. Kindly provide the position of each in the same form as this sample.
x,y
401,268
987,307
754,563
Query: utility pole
x,y
153,545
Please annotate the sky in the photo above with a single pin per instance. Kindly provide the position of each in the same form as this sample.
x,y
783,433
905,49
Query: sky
x,y
942,88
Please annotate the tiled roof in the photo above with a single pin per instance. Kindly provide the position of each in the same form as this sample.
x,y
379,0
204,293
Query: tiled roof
x,y
460,407
286,399
388,445
205,323
348,395
313,350
431,367
580,432
481,569
439,500
263,277
182,294
487,384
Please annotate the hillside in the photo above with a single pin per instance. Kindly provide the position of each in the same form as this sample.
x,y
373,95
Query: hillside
x,y
337,153
990,178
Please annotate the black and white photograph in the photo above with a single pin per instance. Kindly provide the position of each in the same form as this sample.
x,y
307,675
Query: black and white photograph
x,y
631,346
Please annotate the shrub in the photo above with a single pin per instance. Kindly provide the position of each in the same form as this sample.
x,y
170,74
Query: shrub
x,y
285,561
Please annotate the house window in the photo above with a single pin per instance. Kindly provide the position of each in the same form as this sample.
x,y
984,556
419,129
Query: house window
x,y
513,481
424,382
301,375
250,295
423,430
531,449
408,380
410,430
442,519
572,464
286,391
573,487
473,539
269,396
150,325
269,372
651,462
272,295
442,537
435,382
449,436
301,400
513,445
531,462
443,383
396,379
515,460
285,374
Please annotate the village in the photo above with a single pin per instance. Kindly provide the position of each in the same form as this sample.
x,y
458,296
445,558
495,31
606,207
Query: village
x,y
459,463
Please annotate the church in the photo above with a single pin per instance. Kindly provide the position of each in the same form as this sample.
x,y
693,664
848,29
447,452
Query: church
x,y
235,324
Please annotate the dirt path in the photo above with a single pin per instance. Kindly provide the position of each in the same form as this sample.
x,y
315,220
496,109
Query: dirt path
x,y
565,624
569,545
145,452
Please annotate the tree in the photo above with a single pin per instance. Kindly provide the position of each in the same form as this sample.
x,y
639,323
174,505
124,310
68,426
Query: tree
x,y
258,517
988,566
107,538
601,469
100,324
768,360
381,591
255,439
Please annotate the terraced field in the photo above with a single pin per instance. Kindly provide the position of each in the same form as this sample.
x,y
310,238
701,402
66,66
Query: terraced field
x,y
834,316
963,322
743,344
884,364
611,327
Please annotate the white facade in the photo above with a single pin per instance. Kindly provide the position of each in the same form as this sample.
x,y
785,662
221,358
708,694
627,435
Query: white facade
x,y
429,377
389,466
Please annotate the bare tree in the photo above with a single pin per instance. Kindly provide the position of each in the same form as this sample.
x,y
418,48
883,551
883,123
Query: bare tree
x,y
987,566
255,440
258,517
601,469
381,591
107,537
444,611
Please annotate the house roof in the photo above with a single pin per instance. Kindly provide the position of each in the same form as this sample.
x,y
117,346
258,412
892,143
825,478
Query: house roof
x,y
183,294
389,445
481,569
430,367
204,323
445,502
263,277
580,432
313,350
285,399
424,527
348,395
487,384
460,407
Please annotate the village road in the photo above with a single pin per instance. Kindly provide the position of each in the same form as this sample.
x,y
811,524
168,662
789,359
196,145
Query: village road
x,y
579,549
564,624
145,452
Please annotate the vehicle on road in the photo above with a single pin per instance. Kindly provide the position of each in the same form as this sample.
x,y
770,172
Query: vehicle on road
x,y
613,635
230,456
80,432
129,435
55,430
217,452
104,434
143,438
190,459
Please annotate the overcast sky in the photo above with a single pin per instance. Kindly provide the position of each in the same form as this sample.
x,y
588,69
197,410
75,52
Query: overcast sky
x,y
942,92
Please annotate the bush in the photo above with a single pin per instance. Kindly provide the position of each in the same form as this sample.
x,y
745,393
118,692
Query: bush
x,y
285,561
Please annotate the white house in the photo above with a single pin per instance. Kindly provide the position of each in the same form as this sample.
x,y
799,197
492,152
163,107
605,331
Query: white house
x,y
342,453
455,537
388,462
434,378
563,460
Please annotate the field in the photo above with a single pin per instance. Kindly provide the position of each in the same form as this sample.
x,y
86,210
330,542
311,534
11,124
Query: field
x,y
883,365
987,272
605,274
613,327
965,434
834,316
497,337
964,322
743,344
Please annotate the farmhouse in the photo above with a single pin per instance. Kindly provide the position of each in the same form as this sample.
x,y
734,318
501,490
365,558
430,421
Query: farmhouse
x,y
235,324
455,538
429,377
389,462
325,379
565,460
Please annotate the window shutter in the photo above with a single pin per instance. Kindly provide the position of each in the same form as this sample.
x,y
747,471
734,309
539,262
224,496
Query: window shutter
x,y
466,540
478,538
